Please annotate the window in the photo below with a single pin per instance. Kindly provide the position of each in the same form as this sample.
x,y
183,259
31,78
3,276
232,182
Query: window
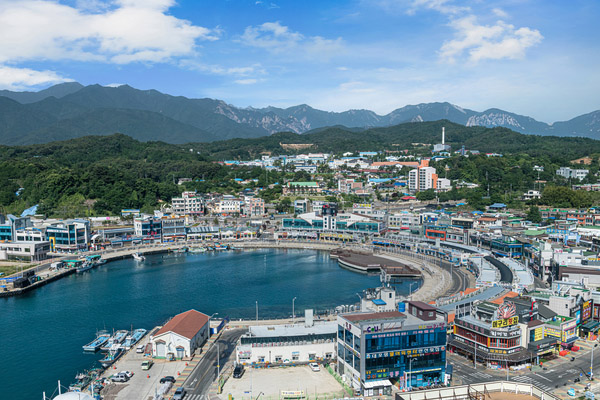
x,y
295,357
278,358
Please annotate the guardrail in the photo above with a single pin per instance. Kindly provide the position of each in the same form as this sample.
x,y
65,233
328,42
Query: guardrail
x,y
476,391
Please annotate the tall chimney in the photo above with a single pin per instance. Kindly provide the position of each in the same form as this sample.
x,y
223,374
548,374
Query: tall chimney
x,y
443,135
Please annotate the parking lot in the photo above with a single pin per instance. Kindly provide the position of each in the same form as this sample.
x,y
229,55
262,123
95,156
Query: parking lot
x,y
271,381
139,386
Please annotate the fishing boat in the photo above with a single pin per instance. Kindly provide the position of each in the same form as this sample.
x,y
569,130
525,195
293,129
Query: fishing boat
x,y
181,250
132,339
85,266
138,257
101,338
197,250
115,340
111,357
81,381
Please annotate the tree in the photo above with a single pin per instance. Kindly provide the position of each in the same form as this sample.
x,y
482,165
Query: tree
x,y
534,215
426,195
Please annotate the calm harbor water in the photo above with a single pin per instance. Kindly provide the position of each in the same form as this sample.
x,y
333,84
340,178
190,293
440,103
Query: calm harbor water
x,y
41,333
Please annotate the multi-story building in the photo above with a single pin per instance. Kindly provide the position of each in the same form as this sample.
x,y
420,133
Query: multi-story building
x,y
228,206
327,220
403,221
422,178
349,185
10,224
378,350
148,228
173,229
190,203
69,235
569,173
253,207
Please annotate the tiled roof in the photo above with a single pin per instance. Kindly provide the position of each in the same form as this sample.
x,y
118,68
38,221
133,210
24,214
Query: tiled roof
x,y
186,324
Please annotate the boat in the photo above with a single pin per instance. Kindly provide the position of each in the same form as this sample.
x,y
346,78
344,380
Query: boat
x,y
101,338
197,250
132,339
111,357
81,381
181,250
138,257
85,266
115,340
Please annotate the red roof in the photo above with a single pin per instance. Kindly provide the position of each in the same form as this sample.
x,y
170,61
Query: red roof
x,y
186,324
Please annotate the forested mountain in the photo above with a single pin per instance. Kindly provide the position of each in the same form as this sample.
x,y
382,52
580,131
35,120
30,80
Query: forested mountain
x,y
71,110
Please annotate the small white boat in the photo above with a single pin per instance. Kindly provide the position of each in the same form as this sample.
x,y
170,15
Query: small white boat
x,y
138,257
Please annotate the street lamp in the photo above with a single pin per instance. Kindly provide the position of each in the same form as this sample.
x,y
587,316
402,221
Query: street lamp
x,y
410,361
293,310
410,290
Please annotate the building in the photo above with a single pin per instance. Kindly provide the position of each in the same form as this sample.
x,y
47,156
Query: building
x,y
69,235
26,251
569,173
254,207
302,188
348,186
380,349
190,203
531,195
173,229
10,224
181,336
148,228
441,147
327,221
228,206
422,178
282,344
443,185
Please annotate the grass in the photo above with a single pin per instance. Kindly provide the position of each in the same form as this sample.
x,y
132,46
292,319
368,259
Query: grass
x,y
9,269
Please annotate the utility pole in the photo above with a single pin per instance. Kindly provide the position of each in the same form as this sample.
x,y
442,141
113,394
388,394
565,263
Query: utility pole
x,y
293,310
256,310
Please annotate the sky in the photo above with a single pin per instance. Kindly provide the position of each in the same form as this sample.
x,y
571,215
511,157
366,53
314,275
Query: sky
x,y
539,58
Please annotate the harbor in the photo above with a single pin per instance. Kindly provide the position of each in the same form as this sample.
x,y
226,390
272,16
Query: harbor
x,y
126,293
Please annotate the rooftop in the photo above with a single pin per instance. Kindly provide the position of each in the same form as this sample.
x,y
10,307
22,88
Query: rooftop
x,y
293,329
364,317
186,324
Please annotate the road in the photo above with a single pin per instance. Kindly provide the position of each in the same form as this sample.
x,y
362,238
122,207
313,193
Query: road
x,y
199,381
559,373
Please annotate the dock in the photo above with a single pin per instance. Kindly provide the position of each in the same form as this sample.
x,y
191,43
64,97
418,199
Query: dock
x,y
365,262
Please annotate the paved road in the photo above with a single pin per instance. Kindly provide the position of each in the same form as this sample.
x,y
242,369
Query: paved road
x,y
205,372
560,373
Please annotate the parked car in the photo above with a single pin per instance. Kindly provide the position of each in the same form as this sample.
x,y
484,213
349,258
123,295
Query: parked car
x,y
179,394
314,366
140,348
147,364
167,379
238,371
119,378
129,374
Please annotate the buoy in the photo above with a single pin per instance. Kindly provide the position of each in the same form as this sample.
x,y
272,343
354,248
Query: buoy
x,y
148,376
114,367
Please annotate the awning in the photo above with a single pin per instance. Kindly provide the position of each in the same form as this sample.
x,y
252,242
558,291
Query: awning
x,y
591,326
377,384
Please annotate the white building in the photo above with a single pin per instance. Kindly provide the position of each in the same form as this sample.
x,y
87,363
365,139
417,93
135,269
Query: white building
x,y
276,344
404,220
181,336
569,173
443,185
254,206
422,178
228,206
532,194
190,203
27,251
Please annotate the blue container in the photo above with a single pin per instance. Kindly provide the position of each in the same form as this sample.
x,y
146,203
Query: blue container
x,y
401,307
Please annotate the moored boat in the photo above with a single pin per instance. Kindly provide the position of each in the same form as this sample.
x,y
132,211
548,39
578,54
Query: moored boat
x,y
85,267
138,257
135,337
111,357
197,250
101,338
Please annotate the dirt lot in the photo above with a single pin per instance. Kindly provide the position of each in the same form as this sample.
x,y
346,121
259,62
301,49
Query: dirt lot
x,y
272,381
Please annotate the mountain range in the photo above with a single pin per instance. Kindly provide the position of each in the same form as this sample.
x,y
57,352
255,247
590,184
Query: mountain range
x,y
71,110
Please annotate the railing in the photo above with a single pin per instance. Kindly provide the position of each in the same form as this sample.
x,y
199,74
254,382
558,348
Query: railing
x,y
470,391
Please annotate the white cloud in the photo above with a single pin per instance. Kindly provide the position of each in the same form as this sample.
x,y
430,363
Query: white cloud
x,y
497,41
22,78
250,70
500,13
249,81
126,31
277,38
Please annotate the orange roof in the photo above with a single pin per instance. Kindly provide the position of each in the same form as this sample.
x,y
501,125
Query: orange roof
x,y
500,299
384,163
451,317
469,291
186,324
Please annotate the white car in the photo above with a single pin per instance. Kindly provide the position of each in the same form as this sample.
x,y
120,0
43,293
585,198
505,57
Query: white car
x,y
314,366
140,348
128,374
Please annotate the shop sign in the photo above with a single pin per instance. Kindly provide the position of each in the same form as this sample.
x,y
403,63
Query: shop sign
x,y
586,311
503,323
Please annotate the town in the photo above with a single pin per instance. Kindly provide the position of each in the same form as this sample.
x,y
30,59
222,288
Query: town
x,y
505,303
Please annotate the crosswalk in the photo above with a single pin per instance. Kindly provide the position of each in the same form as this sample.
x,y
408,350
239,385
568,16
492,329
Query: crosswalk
x,y
528,379
196,397
476,377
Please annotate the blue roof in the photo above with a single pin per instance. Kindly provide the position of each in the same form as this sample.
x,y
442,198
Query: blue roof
x,y
30,211
238,179
379,180
477,212
379,302
498,205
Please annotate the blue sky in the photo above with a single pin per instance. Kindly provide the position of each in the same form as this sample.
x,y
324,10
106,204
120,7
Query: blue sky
x,y
535,57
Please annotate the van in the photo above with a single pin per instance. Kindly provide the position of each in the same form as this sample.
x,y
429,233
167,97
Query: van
x,y
140,348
